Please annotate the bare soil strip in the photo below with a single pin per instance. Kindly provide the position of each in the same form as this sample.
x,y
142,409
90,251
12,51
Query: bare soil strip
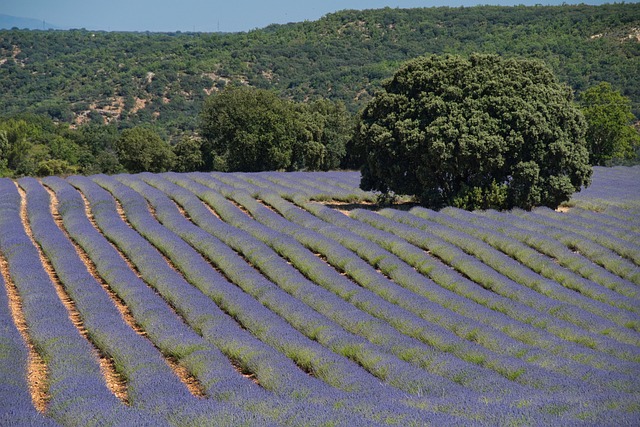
x,y
268,206
236,365
213,212
170,263
207,259
206,205
37,373
193,385
152,211
247,374
239,206
89,214
210,209
345,208
183,212
323,257
115,382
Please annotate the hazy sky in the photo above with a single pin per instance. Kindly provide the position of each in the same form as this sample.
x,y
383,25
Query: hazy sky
x,y
208,15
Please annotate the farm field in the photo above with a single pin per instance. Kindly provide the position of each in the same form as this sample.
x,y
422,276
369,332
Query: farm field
x,y
284,299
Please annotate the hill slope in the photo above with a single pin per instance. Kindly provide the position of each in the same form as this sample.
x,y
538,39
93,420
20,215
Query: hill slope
x,y
163,78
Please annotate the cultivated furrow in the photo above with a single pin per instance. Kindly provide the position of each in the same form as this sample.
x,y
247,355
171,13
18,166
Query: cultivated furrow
x,y
75,376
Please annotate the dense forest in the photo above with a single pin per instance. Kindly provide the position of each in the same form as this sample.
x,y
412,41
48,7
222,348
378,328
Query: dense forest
x,y
161,80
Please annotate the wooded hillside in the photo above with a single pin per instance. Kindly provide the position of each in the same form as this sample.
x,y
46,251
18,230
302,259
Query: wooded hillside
x,y
163,78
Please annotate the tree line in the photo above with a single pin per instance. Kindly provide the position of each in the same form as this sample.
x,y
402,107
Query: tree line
x,y
240,129
249,129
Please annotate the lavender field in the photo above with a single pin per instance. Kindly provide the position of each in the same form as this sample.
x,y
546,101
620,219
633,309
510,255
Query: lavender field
x,y
286,299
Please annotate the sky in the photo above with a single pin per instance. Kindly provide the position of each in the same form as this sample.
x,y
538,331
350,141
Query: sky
x,y
210,15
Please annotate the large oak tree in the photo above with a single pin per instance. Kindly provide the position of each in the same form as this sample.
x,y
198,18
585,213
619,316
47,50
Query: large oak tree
x,y
474,132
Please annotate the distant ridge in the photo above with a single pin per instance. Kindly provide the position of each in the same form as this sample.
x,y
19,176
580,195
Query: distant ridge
x,y
130,78
7,22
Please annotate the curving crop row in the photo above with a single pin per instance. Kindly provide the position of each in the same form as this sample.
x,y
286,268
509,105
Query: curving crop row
x,y
601,219
16,403
260,321
462,295
628,250
548,238
581,294
199,272
160,323
335,308
240,299
331,279
302,227
625,230
272,370
151,313
150,382
203,192
398,299
320,329
537,251
561,319
76,387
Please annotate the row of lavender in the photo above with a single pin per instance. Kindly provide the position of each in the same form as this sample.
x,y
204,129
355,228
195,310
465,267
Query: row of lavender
x,y
392,317
592,299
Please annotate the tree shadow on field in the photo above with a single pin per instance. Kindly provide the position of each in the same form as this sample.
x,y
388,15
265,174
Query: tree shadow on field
x,y
347,207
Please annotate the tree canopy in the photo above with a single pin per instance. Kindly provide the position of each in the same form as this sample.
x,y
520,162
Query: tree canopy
x,y
248,129
78,90
141,149
474,132
610,131
188,155
34,145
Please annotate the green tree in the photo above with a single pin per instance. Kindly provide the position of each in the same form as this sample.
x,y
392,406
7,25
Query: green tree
x,y
5,146
20,148
247,129
335,129
188,155
55,167
325,128
140,149
610,131
97,142
476,132
105,162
